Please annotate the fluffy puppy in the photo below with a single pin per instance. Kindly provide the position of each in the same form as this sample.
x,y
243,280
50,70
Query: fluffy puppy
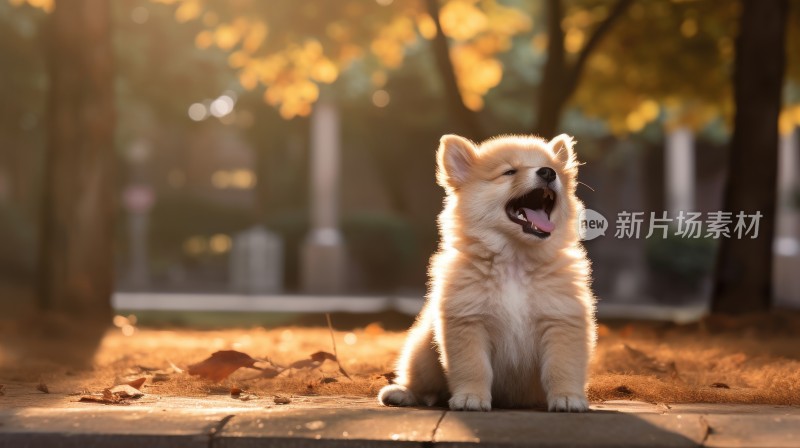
x,y
509,318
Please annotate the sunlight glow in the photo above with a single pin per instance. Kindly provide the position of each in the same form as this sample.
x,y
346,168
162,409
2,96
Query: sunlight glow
x,y
381,98
198,112
220,243
195,245
221,106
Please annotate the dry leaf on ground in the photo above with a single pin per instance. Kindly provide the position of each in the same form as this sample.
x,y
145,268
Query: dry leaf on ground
x,y
282,400
623,390
41,387
650,363
313,361
137,384
105,398
221,364
115,395
125,391
390,376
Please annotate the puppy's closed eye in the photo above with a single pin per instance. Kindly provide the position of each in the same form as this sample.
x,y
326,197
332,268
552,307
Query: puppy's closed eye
x,y
510,172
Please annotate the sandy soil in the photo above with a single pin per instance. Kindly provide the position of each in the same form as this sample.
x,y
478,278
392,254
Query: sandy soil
x,y
753,360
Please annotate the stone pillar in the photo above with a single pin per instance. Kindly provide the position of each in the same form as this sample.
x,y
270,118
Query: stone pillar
x,y
256,262
323,257
786,246
679,171
138,199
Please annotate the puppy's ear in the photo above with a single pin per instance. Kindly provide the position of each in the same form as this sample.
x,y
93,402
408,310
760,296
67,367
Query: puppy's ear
x,y
562,148
455,158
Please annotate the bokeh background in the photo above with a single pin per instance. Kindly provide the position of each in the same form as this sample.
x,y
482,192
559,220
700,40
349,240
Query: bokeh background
x,y
224,154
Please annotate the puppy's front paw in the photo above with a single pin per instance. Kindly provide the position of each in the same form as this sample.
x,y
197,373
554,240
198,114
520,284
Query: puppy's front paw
x,y
568,403
470,402
396,395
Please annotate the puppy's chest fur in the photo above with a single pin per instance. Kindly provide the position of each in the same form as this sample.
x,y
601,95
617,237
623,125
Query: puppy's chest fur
x,y
511,311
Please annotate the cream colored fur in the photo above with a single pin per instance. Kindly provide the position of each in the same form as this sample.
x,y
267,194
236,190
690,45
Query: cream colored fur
x,y
509,320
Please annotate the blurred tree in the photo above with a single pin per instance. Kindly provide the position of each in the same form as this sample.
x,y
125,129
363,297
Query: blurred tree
x,y
76,258
560,78
22,87
293,48
743,281
666,63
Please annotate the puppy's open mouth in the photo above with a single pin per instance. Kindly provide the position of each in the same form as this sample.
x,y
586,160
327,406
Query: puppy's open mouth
x,y
532,211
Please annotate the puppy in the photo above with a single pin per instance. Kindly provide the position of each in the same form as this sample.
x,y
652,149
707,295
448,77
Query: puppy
x,y
509,318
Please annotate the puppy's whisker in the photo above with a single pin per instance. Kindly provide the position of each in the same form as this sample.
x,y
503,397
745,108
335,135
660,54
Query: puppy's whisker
x,y
585,185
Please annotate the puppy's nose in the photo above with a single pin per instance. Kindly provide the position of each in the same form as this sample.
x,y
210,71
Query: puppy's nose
x,y
548,174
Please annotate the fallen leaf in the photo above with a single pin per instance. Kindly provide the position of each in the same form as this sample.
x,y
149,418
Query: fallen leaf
x,y
720,385
100,399
328,380
623,390
221,364
137,384
322,356
390,377
282,400
41,387
313,361
125,391
120,394
235,392
650,363
105,398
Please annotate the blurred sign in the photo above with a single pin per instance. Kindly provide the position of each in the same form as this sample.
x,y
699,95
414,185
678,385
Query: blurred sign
x,y
138,198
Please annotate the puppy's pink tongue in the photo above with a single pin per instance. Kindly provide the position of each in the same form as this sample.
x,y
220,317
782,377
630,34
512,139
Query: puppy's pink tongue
x,y
539,219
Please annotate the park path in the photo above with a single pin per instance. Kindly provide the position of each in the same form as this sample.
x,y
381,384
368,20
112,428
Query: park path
x,y
54,420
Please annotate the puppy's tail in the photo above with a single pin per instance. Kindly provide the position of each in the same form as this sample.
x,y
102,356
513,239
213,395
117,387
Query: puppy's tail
x,y
397,395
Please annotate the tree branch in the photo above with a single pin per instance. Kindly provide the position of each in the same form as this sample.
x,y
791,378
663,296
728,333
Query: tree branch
x,y
555,37
465,117
574,73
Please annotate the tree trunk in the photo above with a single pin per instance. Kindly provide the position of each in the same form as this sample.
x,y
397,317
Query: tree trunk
x,y
560,79
744,266
466,120
552,90
77,227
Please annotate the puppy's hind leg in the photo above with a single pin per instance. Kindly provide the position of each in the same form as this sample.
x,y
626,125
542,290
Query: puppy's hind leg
x,y
420,378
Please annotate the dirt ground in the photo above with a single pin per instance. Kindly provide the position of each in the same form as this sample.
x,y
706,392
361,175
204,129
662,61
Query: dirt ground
x,y
721,360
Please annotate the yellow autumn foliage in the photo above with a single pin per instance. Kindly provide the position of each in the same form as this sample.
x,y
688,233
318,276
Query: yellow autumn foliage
x,y
293,65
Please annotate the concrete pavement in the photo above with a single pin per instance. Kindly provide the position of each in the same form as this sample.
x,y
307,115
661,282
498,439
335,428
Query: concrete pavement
x,y
221,421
